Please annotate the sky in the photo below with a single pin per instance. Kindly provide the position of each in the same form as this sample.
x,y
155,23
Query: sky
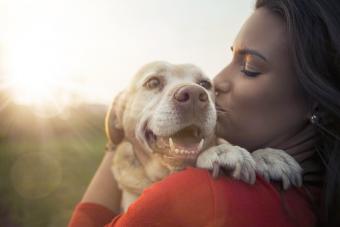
x,y
67,50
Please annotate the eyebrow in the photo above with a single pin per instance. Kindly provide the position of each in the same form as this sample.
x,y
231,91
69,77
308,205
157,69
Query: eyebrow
x,y
251,52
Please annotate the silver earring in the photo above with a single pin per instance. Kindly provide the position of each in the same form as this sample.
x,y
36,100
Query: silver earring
x,y
314,119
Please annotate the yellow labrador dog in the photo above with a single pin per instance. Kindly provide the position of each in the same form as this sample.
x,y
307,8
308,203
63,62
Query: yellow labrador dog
x,y
165,121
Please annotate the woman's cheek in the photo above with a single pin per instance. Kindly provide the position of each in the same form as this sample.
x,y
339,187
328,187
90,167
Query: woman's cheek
x,y
250,93
252,108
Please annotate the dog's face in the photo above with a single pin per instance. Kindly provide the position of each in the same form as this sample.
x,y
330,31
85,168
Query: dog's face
x,y
169,110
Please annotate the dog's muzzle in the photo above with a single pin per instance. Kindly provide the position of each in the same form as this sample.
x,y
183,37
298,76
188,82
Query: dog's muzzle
x,y
191,98
182,136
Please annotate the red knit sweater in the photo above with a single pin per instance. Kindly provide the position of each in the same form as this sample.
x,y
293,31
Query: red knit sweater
x,y
193,198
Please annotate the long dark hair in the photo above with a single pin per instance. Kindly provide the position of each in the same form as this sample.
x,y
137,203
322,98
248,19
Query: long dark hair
x,y
313,27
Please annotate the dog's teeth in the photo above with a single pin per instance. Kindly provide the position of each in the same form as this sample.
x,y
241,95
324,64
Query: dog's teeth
x,y
200,145
172,145
176,151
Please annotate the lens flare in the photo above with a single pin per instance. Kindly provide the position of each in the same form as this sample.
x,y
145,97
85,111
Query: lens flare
x,y
36,175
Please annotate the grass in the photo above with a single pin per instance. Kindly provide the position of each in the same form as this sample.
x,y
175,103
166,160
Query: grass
x,y
42,177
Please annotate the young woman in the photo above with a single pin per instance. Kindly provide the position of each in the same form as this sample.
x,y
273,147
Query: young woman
x,y
281,90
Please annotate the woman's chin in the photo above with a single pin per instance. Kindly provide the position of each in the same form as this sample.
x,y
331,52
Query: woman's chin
x,y
222,131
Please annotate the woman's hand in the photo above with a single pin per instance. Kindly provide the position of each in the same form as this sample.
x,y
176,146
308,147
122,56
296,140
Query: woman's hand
x,y
103,188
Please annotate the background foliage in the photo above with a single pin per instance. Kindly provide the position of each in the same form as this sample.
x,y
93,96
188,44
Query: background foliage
x,y
46,163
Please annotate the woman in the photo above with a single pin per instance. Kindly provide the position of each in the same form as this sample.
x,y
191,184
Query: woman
x,y
281,90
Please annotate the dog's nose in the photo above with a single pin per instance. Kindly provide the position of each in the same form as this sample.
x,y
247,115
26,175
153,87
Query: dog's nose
x,y
191,94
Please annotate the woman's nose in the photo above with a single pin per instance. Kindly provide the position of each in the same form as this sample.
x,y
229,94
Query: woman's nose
x,y
222,86
222,82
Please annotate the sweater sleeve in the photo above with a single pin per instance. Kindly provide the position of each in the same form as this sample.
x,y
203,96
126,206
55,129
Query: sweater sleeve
x,y
90,215
193,198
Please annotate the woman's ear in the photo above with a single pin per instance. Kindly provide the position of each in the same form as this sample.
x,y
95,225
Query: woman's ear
x,y
114,119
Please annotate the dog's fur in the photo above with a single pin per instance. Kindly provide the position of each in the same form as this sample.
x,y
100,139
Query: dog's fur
x,y
177,101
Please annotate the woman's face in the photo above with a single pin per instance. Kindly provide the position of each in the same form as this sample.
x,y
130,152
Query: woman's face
x,y
261,102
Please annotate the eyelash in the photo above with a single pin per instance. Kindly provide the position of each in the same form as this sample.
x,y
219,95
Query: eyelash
x,y
249,73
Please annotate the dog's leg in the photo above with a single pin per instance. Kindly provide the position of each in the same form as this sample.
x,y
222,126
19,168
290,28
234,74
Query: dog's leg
x,y
274,164
233,158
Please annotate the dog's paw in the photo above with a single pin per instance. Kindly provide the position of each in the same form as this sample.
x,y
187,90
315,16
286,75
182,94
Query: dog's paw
x,y
274,164
235,159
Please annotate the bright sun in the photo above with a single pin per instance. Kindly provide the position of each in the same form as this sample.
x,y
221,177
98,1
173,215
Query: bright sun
x,y
37,81
32,90
46,96
36,74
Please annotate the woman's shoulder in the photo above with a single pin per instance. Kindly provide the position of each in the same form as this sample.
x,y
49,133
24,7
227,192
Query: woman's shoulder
x,y
193,198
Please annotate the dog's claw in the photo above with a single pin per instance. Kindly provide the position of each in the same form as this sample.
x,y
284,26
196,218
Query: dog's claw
x,y
235,159
237,171
285,182
275,164
216,169
253,178
266,176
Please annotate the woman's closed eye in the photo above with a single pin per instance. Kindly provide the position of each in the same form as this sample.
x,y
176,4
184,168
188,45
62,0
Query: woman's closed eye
x,y
250,73
249,70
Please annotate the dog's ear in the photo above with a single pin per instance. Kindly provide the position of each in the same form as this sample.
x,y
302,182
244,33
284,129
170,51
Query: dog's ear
x,y
114,118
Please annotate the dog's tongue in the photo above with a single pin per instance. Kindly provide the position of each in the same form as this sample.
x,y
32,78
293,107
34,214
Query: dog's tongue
x,y
186,145
186,139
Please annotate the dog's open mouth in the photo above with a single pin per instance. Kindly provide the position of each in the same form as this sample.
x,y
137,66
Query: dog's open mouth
x,y
186,143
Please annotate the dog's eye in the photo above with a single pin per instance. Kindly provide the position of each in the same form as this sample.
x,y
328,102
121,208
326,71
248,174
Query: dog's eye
x,y
206,84
152,83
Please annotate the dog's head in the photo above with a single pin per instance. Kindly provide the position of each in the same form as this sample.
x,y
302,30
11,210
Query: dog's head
x,y
168,110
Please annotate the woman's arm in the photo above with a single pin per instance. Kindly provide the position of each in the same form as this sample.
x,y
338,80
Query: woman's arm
x,y
193,198
103,189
